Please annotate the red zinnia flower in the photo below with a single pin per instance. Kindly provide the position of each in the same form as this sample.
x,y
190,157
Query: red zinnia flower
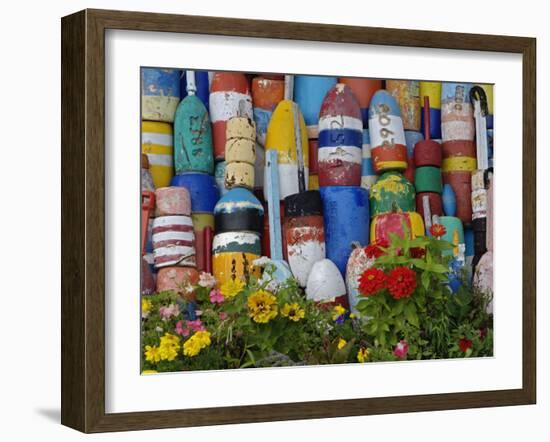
x,y
373,251
465,344
418,252
401,282
372,281
438,230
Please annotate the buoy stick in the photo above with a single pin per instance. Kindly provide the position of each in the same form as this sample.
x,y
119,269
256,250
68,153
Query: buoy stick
x,y
289,87
273,204
299,152
478,97
208,237
427,211
426,117
191,83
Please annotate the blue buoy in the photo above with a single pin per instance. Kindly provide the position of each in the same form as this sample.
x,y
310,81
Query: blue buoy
x,y
203,189
449,200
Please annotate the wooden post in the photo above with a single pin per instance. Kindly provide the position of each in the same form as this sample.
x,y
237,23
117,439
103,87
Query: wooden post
x,y
274,210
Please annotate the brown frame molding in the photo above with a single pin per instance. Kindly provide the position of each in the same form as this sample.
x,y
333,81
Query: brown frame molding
x,y
83,215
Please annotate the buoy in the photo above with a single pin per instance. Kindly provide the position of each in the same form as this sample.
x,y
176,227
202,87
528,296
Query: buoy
x,y
172,201
147,211
266,94
368,175
349,203
407,93
309,93
240,153
313,164
304,233
480,109
204,196
357,264
428,179
432,90
325,284
457,118
173,241
483,277
449,200
427,152
281,137
461,183
202,83
392,192
363,89
434,203
160,94
454,233
229,97
340,138
398,223
157,143
411,139
219,176
176,278
388,145
148,284
147,183
193,149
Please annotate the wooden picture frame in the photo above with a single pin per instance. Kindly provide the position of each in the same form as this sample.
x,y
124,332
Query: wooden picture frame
x,y
83,215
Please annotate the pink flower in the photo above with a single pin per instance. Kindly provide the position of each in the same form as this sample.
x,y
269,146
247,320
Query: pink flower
x,y
216,297
181,330
184,328
196,325
401,349
223,316
207,280
168,312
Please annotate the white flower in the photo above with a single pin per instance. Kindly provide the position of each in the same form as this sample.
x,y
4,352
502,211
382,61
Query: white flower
x,y
207,280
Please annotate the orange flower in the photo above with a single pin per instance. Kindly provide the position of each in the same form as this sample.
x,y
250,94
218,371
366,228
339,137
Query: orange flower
x,y
438,230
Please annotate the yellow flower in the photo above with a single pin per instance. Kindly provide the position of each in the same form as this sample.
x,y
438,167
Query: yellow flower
x,y
352,315
293,311
149,372
145,307
341,343
196,343
337,312
262,306
169,346
231,288
363,355
169,339
152,354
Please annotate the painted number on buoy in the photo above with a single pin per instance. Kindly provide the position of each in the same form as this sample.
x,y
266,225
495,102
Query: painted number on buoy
x,y
385,120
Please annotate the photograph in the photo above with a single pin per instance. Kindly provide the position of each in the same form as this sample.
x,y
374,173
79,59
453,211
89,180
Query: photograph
x,y
302,220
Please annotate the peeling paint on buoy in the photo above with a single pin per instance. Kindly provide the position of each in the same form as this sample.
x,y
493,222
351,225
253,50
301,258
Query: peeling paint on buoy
x,y
325,283
160,94
309,92
407,93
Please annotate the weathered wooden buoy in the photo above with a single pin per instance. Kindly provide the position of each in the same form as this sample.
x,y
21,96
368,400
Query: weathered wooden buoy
x,y
172,201
176,278
449,200
392,192
363,89
428,179
427,152
304,233
193,149
282,137
204,196
461,183
240,153
350,203
219,176
266,95
400,223
388,145
412,137
368,175
229,97
147,183
157,143
309,93
457,118
407,93
358,262
325,284
313,164
173,241
340,138
237,243
459,155
432,90
160,94
483,277
434,203
202,83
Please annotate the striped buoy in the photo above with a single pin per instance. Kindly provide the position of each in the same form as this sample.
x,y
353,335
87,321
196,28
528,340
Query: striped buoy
x,y
368,175
349,203
309,93
240,153
457,118
388,145
157,144
382,226
160,94
432,90
363,89
407,93
304,233
391,192
325,284
173,241
172,201
340,138
193,150
282,137
229,97
176,278
266,94
237,243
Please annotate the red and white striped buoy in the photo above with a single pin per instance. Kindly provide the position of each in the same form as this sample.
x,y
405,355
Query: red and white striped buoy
x,y
173,241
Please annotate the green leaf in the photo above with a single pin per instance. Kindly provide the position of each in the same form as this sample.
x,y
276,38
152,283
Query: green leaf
x,y
411,314
425,280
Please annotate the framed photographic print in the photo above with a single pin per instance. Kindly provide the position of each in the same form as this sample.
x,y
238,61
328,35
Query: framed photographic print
x,y
267,220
